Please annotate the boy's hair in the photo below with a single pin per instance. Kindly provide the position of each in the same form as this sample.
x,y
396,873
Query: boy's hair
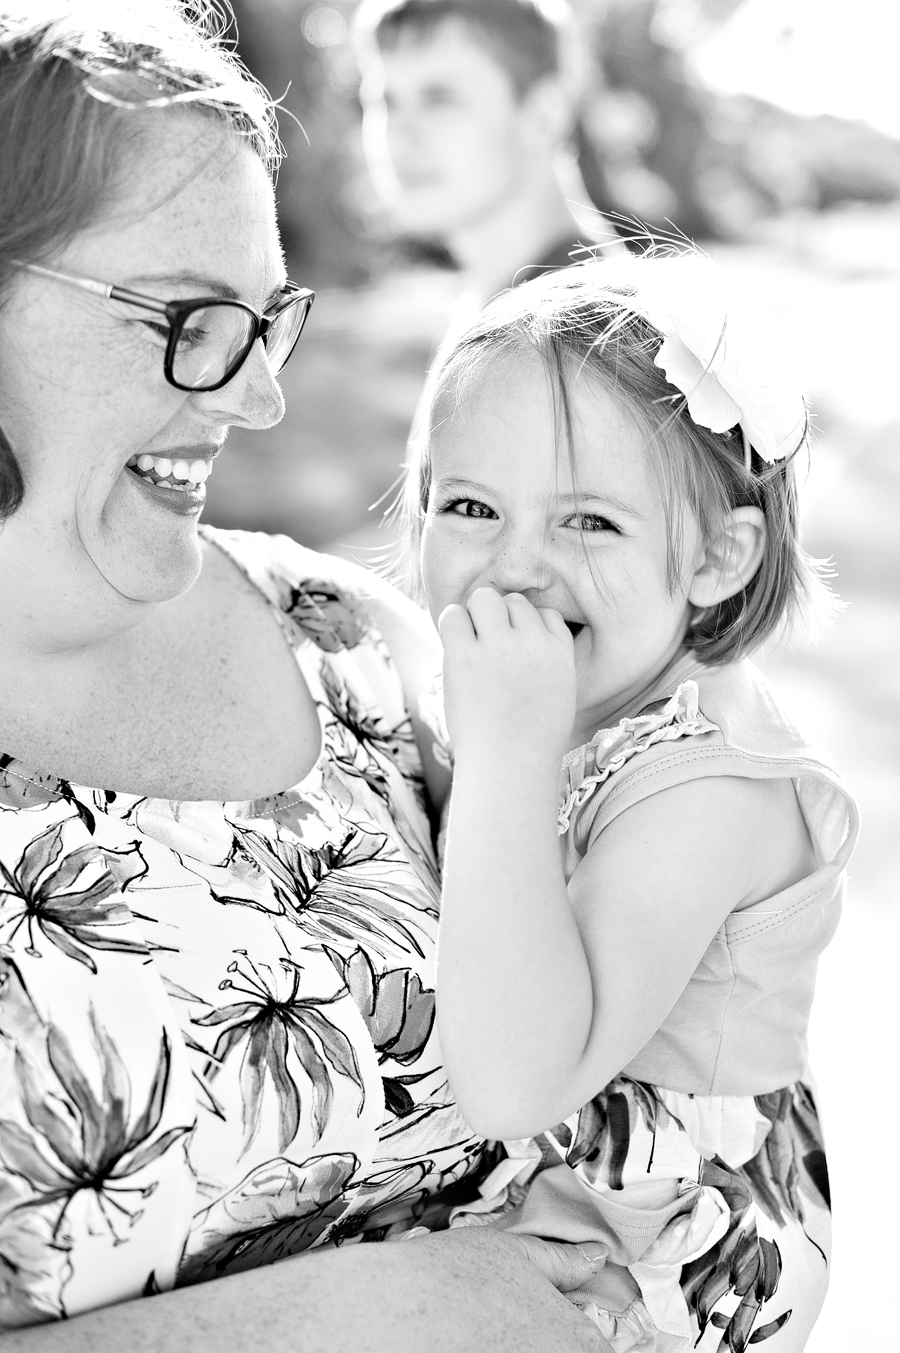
x,y
81,82
524,37
581,327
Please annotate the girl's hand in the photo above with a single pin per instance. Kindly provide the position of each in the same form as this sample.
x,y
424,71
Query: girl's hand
x,y
509,675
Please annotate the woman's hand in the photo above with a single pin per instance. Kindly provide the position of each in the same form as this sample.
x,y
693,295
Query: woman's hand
x,y
509,675
453,1292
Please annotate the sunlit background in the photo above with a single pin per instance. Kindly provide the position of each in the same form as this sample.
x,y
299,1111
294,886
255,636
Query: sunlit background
x,y
769,131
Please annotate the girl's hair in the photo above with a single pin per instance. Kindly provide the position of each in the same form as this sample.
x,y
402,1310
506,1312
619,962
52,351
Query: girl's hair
x,y
79,82
581,325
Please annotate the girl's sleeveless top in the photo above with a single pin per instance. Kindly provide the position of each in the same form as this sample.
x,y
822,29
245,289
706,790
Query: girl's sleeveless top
x,y
217,1040
701,1166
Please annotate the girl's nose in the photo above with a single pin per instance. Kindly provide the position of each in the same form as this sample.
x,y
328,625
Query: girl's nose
x,y
519,564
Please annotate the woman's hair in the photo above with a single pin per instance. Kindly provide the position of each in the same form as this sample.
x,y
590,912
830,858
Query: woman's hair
x,y
79,82
583,327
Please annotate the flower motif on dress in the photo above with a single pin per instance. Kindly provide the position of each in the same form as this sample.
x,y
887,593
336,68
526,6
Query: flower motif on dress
x,y
331,618
791,1160
270,1022
741,1262
399,1014
344,890
602,1138
67,896
280,1208
80,1144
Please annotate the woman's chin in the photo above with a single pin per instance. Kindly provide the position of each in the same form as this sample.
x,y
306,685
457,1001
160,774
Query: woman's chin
x,y
146,555
160,571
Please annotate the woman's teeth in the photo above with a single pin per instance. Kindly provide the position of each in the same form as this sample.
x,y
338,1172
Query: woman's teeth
x,y
178,474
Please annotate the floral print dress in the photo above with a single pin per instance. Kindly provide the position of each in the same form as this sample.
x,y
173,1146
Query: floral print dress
x,y
217,1039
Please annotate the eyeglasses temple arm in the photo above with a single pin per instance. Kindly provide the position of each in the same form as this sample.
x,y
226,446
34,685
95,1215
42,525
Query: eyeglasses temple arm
x,y
106,289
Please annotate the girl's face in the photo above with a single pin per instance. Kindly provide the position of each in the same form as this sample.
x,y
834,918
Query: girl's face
x,y
504,512
82,389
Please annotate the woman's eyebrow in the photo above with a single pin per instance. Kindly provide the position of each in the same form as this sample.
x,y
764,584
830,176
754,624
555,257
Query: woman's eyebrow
x,y
209,286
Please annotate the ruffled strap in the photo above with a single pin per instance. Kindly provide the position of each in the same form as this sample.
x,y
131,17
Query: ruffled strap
x,y
608,750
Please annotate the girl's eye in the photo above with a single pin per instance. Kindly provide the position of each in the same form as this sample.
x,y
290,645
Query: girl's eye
x,y
469,507
590,521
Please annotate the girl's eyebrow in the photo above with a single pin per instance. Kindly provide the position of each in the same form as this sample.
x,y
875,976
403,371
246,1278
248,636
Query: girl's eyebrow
x,y
585,496
457,485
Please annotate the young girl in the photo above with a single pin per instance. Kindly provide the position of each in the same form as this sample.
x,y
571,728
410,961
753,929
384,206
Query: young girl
x,y
628,948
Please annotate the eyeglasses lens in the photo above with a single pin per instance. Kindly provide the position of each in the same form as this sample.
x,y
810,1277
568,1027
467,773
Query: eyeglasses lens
x,y
285,331
213,340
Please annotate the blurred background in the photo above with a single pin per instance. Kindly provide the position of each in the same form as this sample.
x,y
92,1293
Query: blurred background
x,y
768,131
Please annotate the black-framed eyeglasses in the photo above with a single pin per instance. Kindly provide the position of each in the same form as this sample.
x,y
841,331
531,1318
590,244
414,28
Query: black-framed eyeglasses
x,y
210,337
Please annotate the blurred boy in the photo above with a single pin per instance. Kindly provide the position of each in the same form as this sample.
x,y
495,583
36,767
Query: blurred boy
x,y
467,108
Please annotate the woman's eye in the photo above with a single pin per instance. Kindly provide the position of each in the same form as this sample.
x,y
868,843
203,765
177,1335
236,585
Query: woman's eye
x,y
159,330
469,507
590,521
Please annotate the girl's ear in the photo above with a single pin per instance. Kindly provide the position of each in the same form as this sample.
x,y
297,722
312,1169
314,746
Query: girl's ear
x,y
730,559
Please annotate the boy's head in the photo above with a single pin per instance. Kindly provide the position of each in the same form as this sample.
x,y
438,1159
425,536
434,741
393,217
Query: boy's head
x,y
460,97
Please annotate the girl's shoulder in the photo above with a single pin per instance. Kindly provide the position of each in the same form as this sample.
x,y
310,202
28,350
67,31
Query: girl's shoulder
x,y
702,722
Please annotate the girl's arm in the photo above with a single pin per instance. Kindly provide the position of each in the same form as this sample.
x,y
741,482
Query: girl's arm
x,y
546,992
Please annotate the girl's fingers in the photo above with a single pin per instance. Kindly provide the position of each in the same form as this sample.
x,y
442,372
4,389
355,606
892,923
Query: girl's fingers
x,y
487,610
454,625
554,623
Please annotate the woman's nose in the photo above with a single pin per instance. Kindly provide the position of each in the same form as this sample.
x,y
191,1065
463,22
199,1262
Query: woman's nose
x,y
252,398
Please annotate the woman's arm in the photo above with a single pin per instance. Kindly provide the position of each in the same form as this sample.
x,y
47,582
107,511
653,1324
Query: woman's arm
x,y
546,991
450,1293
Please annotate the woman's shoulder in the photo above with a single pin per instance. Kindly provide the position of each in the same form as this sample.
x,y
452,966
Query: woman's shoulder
x,y
336,603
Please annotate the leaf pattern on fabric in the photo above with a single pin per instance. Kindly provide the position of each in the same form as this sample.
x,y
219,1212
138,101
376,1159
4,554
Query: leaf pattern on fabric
x,y
279,1209
332,618
64,896
742,1263
20,789
80,1143
791,1161
399,1014
344,891
271,1022
34,1266
603,1135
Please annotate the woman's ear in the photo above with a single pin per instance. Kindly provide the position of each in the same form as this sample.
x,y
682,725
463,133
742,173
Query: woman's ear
x,y
731,559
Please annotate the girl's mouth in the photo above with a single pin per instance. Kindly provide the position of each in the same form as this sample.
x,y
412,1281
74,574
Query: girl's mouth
x,y
574,627
184,476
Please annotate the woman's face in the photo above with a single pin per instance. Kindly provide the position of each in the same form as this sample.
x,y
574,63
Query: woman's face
x,y
82,389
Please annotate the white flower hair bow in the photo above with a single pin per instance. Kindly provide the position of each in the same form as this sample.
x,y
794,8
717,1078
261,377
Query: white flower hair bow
x,y
727,362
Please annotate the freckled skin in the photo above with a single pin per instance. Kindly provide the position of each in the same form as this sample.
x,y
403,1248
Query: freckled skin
x,y
82,386
498,453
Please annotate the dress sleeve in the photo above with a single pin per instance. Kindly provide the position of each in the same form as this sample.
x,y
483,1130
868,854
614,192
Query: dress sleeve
x,y
587,769
96,1100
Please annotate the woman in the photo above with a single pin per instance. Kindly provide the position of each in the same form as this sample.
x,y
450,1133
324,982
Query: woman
x,y
216,992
